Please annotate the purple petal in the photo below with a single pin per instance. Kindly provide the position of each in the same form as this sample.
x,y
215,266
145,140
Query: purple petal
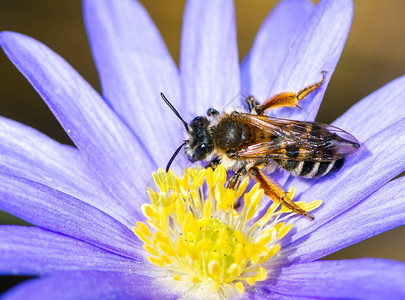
x,y
134,67
352,279
209,56
27,153
317,48
91,285
381,211
56,211
35,251
275,37
377,111
96,130
377,161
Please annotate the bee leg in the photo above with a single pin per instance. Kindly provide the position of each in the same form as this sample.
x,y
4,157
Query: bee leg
x,y
233,181
214,163
276,192
309,89
288,99
251,102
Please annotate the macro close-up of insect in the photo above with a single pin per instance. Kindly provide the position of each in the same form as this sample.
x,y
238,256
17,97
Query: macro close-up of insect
x,y
252,142
202,149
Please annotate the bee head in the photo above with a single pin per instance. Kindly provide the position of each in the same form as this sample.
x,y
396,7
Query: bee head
x,y
199,144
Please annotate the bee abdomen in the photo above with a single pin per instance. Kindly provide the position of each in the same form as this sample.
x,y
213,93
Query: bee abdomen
x,y
310,169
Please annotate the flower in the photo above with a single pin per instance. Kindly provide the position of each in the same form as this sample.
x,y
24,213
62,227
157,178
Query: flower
x,y
85,201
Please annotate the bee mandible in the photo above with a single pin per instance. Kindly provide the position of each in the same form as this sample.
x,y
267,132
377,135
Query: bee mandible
x,y
250,142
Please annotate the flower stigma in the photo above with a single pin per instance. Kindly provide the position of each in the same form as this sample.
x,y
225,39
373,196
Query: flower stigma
x,y
194,230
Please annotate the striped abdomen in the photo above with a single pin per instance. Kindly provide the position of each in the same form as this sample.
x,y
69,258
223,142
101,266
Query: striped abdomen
x,y
310,169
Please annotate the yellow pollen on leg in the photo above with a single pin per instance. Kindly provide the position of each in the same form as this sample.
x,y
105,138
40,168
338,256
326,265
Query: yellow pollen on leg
x,y
193,230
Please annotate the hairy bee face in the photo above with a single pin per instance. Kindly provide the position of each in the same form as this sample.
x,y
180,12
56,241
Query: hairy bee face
x,y
199,144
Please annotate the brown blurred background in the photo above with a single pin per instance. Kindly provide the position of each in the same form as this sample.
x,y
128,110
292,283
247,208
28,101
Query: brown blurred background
x,y
373,56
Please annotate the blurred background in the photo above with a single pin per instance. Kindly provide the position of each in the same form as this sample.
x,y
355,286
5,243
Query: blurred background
x,y
374,55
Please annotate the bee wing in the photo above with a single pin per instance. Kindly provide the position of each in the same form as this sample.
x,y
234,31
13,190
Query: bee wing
x,y
298,140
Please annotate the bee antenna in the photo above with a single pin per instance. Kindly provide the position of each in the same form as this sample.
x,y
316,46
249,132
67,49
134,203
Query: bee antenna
x,y
173,156
174,110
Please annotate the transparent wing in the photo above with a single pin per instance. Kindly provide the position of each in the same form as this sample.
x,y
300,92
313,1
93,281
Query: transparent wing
x,y
297,140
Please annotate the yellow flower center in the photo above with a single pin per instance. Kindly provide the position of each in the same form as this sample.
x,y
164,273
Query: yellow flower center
x,y
194,230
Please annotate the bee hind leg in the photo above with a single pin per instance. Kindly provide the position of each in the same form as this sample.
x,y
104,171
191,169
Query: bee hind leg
x,y
276,192
288,99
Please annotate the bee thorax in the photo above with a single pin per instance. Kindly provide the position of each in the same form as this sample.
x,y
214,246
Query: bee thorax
x,y
230,133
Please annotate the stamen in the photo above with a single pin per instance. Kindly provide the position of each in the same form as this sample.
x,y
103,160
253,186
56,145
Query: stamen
x,y
193,230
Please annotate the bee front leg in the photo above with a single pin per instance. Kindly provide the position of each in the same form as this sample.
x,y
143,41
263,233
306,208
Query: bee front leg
x,y
276,192
288,99
214,163
233,181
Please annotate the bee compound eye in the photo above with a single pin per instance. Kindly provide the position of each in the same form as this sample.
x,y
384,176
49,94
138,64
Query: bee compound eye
x,y
199,122
201,152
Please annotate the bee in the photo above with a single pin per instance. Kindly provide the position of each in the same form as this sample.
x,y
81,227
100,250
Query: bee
x,y
252,142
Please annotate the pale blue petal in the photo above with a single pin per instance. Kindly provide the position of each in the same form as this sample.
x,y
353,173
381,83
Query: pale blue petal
x,y
135,67
381,211
36,251
59,212
275,37
344,279
209,56
110,147
317,48
27,153
91,285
